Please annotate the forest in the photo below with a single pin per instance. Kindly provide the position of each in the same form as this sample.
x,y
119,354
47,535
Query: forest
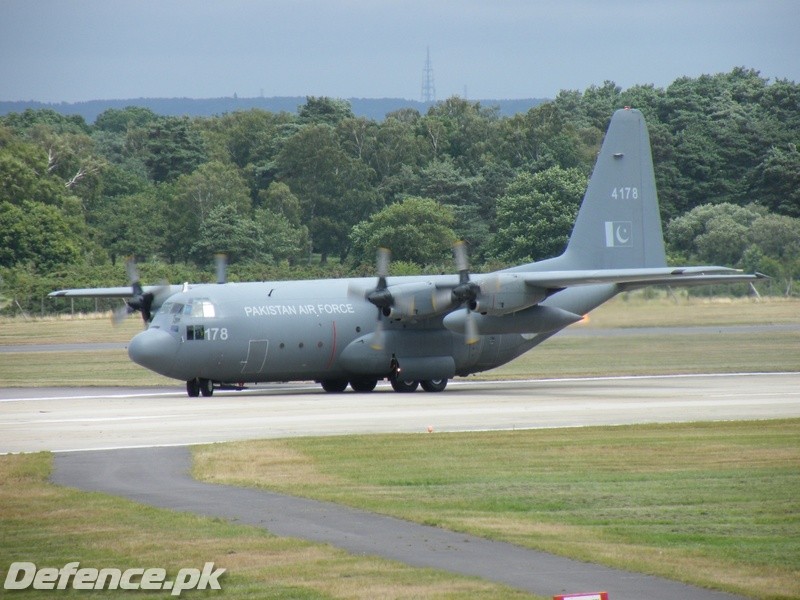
x,y
314,193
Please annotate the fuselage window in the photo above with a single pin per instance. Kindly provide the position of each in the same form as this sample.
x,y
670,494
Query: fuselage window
x,y
195,332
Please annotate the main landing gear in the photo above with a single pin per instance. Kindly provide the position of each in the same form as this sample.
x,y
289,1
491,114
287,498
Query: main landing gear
x,y
365,385
197,386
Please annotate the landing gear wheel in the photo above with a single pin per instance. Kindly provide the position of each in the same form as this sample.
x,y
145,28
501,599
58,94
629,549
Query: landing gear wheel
x,y
404,387
334,386
206,387
363,385
434,385
193,388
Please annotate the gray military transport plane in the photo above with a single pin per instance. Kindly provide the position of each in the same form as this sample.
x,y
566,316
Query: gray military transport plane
x,y
419,330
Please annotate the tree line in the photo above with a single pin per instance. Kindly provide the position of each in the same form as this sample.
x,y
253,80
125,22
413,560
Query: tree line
x,y
315,193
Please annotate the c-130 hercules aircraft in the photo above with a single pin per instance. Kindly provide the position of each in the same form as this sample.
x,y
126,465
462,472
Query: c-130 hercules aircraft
x,y
420,330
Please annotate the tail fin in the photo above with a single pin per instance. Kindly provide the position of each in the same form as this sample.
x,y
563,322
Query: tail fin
x,y
618,225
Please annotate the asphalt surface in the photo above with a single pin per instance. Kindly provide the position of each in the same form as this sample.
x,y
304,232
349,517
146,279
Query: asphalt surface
x,y
64,419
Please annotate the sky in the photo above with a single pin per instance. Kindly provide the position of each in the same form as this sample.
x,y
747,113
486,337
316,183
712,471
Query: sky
x,y
75,50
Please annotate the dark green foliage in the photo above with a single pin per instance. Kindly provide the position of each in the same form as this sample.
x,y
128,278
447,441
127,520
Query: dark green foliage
x,y
329,111
535,216
35,234
417,230
171,147
275,190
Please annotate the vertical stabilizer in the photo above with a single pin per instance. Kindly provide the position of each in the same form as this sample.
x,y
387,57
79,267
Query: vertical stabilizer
x,y
618,225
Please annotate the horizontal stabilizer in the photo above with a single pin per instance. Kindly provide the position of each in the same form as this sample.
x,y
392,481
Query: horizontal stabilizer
x,y
677,276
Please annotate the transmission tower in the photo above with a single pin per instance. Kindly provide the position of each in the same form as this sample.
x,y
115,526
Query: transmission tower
x,y
428,86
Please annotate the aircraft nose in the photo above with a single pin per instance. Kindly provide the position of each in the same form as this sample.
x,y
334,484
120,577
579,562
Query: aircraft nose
x,y
153,349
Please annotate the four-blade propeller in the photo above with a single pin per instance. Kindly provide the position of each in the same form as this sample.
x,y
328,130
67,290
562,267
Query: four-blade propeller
x,y
140,301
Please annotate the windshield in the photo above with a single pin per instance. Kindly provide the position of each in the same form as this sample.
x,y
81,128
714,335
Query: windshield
x,y
200,308
197,308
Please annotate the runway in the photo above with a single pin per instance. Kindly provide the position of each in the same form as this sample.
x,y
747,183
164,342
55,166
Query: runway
x,y
124,441
72,419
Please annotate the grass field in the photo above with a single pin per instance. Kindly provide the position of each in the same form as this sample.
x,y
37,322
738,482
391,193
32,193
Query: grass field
x,y
560,356
714,504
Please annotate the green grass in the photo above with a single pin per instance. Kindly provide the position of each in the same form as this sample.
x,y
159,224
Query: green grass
x,y
558,357
714,504
656,355
51,526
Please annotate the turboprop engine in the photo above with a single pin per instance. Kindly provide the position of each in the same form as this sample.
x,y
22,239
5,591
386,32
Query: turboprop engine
x,y
505,293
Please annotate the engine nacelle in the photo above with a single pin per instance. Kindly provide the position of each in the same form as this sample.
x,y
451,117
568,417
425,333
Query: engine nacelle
x,y
412,300
506,293
536,319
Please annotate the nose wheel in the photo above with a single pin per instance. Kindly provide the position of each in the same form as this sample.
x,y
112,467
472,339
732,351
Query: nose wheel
x,y
197,386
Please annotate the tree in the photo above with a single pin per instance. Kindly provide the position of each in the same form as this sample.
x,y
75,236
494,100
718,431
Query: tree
x,y
23,176
776,180
280,238
31,232
132,225
417,230
23,122
712,233
194,197
536,214
334,189
171,147
469,129
279,199
225,230
120,121
330,111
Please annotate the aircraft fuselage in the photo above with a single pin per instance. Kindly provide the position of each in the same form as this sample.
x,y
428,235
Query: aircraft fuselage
x,y
300,330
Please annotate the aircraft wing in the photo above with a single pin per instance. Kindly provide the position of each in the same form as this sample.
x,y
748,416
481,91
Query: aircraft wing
x,y
629,278
113,292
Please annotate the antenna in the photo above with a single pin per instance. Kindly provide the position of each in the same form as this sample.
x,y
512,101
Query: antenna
x,y
428,86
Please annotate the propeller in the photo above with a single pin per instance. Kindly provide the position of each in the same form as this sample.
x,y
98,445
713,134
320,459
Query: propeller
x,y
380,295
221,261
140,300
466,292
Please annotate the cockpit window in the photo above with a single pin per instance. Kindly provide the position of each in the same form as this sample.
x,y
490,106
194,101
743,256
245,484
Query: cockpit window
x,y
200,307
171,308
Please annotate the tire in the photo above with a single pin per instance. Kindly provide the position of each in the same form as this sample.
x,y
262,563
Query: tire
x,y
334,386
206,387
434,385
363,385
193,388
404,387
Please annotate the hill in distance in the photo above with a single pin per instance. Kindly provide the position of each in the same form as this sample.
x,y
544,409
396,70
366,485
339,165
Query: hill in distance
x,y
370,108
